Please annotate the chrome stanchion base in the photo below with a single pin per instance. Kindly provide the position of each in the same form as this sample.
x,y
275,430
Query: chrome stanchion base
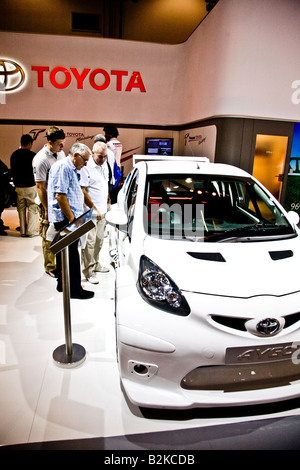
x,y
63,359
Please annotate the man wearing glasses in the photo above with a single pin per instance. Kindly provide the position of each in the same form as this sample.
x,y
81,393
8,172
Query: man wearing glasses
x,y
66,203
94,182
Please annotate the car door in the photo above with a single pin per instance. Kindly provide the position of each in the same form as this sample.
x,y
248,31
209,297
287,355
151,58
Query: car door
x,y
124,236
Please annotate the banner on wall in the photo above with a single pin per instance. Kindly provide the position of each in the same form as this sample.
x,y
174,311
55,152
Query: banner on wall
x,y
292,196
200,142
87,80
13,78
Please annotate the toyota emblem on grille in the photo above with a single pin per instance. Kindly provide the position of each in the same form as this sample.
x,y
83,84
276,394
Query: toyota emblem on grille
x,y
12,76
268,326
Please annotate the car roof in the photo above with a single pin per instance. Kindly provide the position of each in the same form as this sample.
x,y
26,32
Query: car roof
x,y
182,164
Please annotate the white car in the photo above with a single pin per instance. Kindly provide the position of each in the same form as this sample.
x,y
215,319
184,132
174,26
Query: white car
x,y
207,287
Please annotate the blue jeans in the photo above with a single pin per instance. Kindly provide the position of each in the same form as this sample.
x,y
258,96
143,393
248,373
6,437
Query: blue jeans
x,y
74,265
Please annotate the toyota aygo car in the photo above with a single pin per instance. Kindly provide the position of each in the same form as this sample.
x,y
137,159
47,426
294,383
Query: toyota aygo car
x,y
207,287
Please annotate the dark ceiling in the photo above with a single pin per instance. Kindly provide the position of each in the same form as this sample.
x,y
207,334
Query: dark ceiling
x,y
161,21
158,21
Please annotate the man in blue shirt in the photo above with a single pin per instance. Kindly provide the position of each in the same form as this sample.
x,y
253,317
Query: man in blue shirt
x,y
66,203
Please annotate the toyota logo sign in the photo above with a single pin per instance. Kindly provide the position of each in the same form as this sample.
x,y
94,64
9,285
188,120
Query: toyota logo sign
x,y
12,76
268,326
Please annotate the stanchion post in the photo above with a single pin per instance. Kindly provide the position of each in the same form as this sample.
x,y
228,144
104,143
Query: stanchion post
x,y
69,354
66,299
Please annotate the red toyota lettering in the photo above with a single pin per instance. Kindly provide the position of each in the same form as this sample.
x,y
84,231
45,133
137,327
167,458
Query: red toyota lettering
x,y
99,79
40,71
106,79
78,77
119,74
63,70
136,82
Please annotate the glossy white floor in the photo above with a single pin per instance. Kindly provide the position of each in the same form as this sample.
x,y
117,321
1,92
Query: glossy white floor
x,y
41,402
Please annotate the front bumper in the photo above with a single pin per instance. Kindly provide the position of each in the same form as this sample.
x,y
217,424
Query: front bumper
x,y
168,361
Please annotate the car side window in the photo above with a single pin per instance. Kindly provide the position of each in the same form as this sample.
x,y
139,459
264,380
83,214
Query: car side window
x,y
131,200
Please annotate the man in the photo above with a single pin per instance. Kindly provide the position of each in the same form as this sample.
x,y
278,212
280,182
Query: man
x,y
110,162
94,183
22,175
42,162
66,203
111,134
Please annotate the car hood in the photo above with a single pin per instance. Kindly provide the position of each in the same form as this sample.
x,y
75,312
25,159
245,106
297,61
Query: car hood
x,y
229,269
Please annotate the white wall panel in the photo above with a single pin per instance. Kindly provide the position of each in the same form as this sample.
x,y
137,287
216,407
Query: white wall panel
x,y
242,61
158,67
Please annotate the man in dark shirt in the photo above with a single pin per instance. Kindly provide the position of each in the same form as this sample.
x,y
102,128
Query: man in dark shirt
x,y
22,175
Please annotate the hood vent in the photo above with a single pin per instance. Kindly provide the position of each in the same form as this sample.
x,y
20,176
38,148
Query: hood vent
x,y
277,255
208,256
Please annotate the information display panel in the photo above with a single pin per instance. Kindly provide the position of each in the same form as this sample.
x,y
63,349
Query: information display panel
x,y
71,232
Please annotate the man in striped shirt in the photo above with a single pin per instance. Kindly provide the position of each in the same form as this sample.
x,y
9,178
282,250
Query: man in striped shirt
x,y
66,203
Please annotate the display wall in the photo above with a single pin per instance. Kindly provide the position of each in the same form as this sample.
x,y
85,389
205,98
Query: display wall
x,y
197,141
87,80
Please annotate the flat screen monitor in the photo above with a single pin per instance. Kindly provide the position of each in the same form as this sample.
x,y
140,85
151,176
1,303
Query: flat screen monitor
x,y
158,146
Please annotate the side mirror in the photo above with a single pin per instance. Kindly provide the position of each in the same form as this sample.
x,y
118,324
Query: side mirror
x,y
293,217
117,217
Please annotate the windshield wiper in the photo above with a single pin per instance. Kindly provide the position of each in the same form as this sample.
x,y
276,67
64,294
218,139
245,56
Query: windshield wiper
x,y
251,231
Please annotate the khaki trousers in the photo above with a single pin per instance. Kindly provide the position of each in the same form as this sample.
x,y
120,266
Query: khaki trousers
x,y
27,210
90,254
49,257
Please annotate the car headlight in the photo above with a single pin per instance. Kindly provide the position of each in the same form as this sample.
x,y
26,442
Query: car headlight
x,y
158,289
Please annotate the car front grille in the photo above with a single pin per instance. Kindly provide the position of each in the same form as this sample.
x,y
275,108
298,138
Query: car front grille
x,y
237,323
242,377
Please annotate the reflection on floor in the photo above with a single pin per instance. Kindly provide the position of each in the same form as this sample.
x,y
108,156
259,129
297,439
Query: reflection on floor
x,y
43,406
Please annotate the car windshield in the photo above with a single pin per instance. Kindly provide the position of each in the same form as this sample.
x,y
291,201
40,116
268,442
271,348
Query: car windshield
x,y
212,209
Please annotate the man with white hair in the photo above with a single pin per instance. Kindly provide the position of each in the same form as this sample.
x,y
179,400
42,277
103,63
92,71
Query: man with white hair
x,y
110,162
94,183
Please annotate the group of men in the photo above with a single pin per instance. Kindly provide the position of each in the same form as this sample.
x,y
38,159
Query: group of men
x,y
63,188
